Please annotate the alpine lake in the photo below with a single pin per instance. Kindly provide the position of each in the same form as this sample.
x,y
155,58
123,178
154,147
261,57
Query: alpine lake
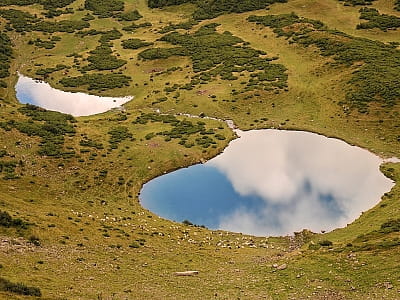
x,y
266,182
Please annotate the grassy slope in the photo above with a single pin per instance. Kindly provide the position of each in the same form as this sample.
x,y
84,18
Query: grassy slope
x,y
96,260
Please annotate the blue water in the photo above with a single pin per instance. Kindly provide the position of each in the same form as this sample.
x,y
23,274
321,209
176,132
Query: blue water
x,y
272,182
191,193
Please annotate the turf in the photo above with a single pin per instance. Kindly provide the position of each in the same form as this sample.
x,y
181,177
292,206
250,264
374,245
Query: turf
x,y
89,238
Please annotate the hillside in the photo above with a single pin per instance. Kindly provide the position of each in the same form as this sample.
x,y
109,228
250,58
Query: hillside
x,y
71,225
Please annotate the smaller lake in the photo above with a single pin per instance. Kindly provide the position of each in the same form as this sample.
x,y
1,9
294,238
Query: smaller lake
x,y
272,182
41,94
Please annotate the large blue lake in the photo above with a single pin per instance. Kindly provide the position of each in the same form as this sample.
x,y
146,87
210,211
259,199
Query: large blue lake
x,y
272,182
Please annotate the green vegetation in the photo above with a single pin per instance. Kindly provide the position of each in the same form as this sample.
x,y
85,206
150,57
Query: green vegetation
x,y
102,59
357,2
17,2
7,221
117,135
47,44
134,44
19,288
184,25
46,71
48,4
86,142
133,27
367,83
181,129
49,125
133,15
8,169
213,8
86,224
98,82
5,58
376,20
216,55
23,22
104,8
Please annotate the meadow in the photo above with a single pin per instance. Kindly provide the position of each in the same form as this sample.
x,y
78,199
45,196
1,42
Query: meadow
x,y
71,225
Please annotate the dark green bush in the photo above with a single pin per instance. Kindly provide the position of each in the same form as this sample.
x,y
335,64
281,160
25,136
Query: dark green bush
x,y
104,8
390,226
117,135
90,143
7,221
215,55
129,16
25,22
376,20
325,243
134,26
97,81
135,44
184,25
5,57
367,83
357,2
19,288
102,59
208,9
51,126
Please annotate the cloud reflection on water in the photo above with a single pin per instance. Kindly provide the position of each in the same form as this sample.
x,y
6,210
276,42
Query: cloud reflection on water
x,y
76,104
305,180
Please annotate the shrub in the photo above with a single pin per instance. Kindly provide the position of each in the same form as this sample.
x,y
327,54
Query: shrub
x,y
101,59
104,8
367,83
135,44
390,226
19,288
376,20
7,221
129,16
117,135
216,55
97,81
325,243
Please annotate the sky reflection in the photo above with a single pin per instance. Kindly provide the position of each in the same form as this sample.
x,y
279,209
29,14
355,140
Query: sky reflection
x,y
77,104
272,182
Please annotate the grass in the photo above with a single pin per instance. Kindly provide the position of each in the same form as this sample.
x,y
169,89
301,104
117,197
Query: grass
x,y
98,242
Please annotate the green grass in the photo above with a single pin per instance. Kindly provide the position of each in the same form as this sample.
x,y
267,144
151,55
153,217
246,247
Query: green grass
x,y
97,242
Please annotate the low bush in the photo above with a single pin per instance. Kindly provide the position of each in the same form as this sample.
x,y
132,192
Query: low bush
x,y
367,83
376,20
135,44
97,81
19,288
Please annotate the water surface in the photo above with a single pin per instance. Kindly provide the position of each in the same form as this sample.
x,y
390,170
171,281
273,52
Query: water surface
x,y
272,182
42,94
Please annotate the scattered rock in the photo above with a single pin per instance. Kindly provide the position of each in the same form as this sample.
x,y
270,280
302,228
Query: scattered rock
x,y
388,285
282,267
187,273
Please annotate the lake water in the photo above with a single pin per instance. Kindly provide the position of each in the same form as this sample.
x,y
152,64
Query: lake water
x,y
42,94
272,182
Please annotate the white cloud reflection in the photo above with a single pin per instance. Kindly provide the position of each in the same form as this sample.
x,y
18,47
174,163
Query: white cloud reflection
x,y
306,181
76,104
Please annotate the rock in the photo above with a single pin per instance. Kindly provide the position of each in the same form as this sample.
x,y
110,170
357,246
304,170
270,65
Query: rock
x,y
388,285
187,273
282,267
